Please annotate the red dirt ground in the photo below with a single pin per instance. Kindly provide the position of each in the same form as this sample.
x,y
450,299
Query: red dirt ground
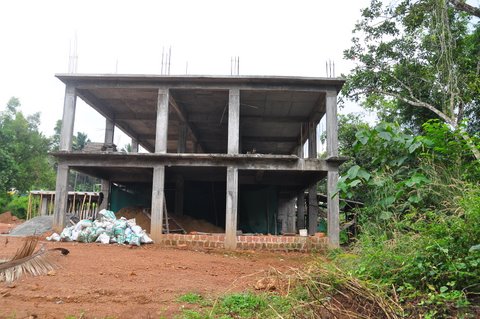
x,y
131,282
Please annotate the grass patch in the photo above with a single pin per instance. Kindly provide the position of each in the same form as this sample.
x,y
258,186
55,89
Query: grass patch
x,y
191,298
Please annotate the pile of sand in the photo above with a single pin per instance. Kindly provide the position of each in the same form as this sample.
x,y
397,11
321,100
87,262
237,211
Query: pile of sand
x,y
9,218
141,218
186,222
8,222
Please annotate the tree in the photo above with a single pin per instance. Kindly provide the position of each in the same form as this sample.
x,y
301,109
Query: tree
x,y
24,161
78,143
418,60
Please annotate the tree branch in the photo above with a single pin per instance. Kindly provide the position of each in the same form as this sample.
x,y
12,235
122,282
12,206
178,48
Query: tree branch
x,y
416,102
465,7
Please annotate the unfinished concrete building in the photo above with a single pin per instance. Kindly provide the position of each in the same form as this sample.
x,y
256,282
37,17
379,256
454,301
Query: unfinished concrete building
x,y
227,149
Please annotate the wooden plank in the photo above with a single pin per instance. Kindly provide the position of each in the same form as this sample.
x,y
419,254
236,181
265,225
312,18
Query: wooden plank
x,y
231,209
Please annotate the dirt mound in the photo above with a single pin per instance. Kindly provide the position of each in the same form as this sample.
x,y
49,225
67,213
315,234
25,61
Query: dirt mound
x,y
141,218
186,222
191,224
8,218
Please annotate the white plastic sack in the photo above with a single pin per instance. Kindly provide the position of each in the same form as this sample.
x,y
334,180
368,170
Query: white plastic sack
x,y
145,239
131,222
106,215
54,237
103,238
137,230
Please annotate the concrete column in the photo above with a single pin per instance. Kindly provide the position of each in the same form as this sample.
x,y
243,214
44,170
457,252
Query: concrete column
x,y
332,124
158,197
162,121
232,173
182,138
105,189
291,225
231,209
109,131
301,210
134,145
61,198
68,119
179,193
312,191
44,206
300,199
333,207
233,121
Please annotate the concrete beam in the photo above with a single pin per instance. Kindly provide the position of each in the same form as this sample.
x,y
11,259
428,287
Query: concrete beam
x,y
158,198
68,118
233,121
231,209
162,121
240,161
61,198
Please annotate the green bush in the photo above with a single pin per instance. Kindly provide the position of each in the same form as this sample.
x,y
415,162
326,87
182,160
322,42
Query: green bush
x,y
17,205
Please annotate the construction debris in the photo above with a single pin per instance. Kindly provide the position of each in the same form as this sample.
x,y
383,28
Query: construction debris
x,y
106,230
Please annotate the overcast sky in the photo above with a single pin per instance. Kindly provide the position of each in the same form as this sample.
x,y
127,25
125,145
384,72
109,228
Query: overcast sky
x,y
270,37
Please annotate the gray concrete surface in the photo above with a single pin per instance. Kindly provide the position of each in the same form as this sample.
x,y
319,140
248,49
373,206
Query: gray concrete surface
x,y
34,226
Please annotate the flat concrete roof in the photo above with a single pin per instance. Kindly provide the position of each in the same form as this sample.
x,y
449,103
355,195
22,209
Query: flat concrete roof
x,y
235,80
274,110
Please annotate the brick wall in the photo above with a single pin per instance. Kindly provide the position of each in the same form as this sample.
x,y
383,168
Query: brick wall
x,y
255,242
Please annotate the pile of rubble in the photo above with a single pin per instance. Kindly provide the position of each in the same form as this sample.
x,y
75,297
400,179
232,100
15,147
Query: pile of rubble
x,y
106,230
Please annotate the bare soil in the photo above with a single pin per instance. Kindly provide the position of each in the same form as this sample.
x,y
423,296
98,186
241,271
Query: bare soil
x,y
96,281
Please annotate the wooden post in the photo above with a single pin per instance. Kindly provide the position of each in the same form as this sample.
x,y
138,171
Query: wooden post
x,y
312,191
61,198
157,203
333,207
232,172
231,209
